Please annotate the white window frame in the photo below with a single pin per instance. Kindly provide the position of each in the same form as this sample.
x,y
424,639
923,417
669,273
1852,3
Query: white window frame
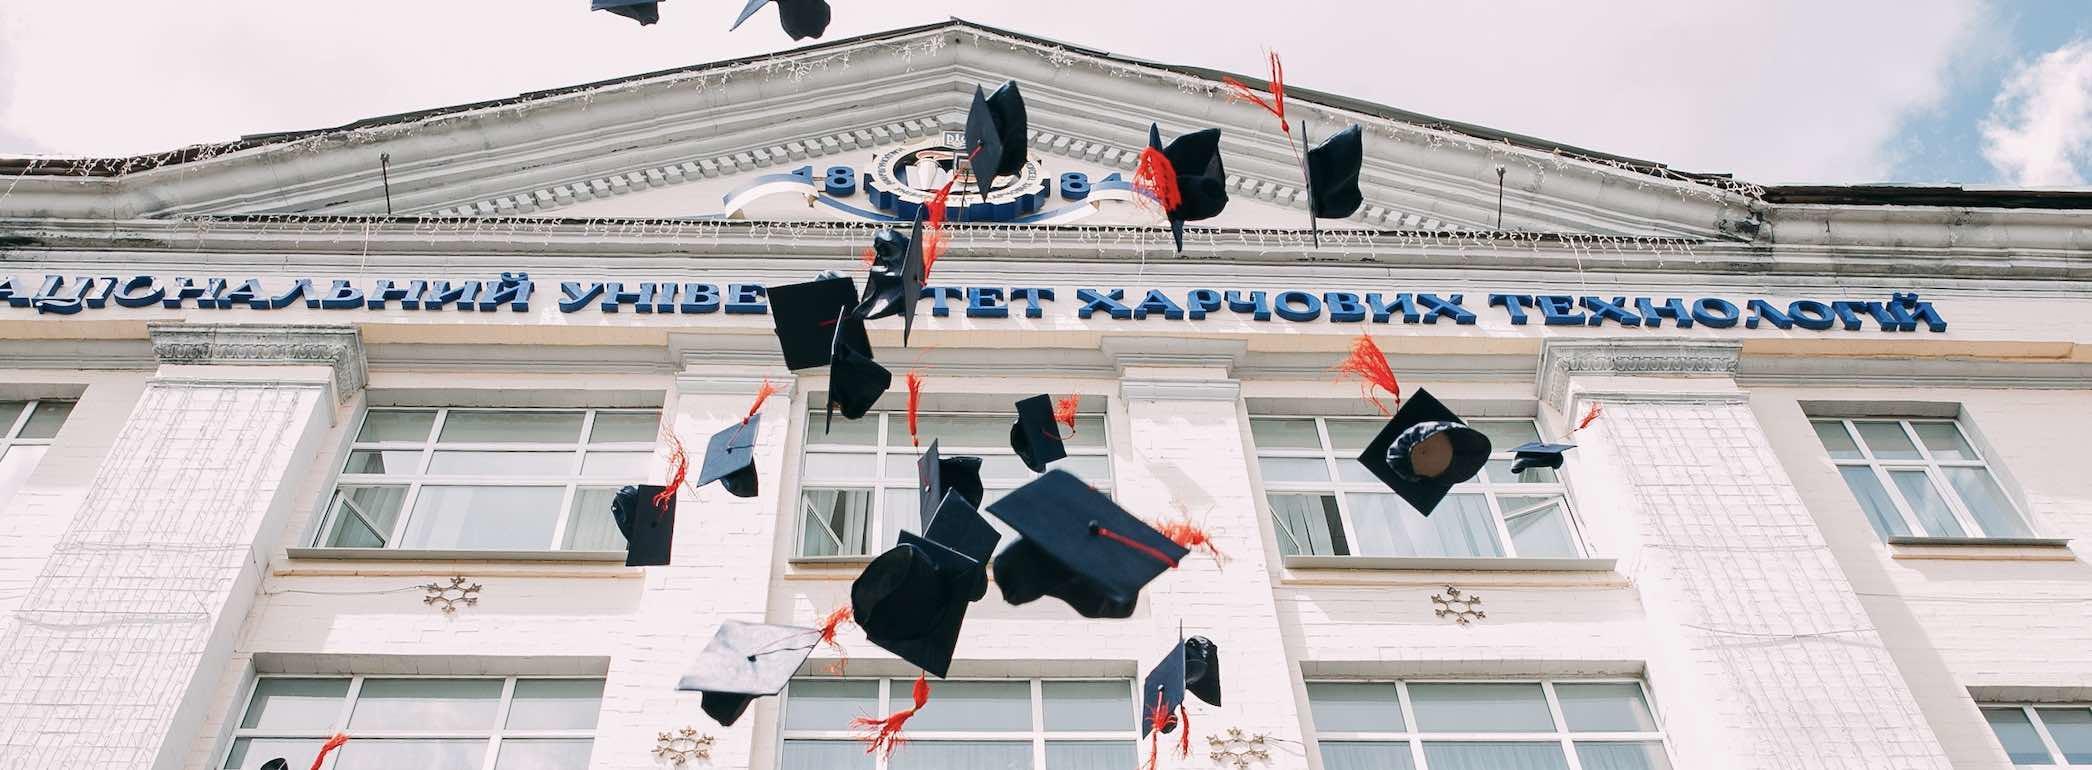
x,y
1561,735
894,694
1970,525
2032,710
1342,490
494,733
11,433
570,482
892,427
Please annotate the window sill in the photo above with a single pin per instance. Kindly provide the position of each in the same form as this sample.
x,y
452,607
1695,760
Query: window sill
x,y
1981,548
1450,563
826,567
404,554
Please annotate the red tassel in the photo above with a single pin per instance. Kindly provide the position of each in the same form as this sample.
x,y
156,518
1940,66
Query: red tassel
x,y
761,394
870,256
679,469
1064,411
1158,718
1142,548
328,748
1154,740
1190,535
1184,732
1588,417
829,627
1157,179
1276,105
933,220
915,402
882,736
1368,363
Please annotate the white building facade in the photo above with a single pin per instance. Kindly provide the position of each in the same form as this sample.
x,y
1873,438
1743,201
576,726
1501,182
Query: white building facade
x,y
296,441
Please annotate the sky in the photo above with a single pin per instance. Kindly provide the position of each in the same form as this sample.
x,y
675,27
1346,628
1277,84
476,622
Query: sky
x,y
1991,92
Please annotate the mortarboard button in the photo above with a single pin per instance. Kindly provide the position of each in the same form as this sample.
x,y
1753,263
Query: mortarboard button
x,y
643,11
649,529
1035,437
745,661
730,458
855,381
912,600
1332,171
1538,454
1424,450
805,318
1078,546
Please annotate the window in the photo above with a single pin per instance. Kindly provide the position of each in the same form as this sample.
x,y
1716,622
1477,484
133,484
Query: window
x,y
473,479
858,485
422,723
26,428
1919,477
1324,503
2044,735
1592,725
1014,724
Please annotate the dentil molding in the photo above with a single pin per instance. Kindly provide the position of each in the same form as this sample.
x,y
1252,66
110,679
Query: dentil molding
x,y
337,347
1561,360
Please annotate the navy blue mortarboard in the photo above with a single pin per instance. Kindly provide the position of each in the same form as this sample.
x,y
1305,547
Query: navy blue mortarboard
x,y
912,600
1077,545
745,661
855,381
1035,437
278,763
957,525
805,318
1538,454
1010,118
882,286
643,11
1194,666
939,475
730,458
915,271
996,133
649,526
1332,176
983,140
1202,183
1424,450
800,18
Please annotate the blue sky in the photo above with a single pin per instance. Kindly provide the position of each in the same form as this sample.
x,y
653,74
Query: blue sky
x,y
1945,143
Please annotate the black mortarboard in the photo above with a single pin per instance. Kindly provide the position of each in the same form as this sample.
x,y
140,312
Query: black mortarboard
x,y
746,661
1202,183
912,600
643,11
957,525
1194,665
855,381
882,285
276,764
730,458
804,315
1077,545
1035,437
1538,454
649,529
800,18
983,140
1424,450
914,273
936,475
1332,174
1008,105
1202,669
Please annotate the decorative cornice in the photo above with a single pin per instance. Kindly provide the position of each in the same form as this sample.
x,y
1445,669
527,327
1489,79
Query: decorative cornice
x,y
1180,390
1563,359
1128,352
693,382
338,347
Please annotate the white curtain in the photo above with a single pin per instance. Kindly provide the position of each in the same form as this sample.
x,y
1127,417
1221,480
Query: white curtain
x,y
590,525
1091,755
966,755
1366,755
1622,756
824,755
1495,755
1308,525
1460,526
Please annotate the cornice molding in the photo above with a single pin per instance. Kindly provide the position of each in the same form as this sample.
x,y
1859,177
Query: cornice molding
x,y
337,347
1147,389
1153,351
1563,359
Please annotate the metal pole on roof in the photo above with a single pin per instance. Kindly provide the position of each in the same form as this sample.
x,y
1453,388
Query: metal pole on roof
x,y
385,173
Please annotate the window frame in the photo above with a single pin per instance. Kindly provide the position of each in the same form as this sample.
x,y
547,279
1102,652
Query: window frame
x,y
2033,714
1414,739
11,433
571,483
1038,736
1956,507
493,735
1341,490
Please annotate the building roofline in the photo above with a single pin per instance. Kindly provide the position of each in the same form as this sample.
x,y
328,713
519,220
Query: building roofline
x,y
1929,195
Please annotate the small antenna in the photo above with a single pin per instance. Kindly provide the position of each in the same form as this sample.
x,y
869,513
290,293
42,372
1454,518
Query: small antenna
x,y
385,173
1499,197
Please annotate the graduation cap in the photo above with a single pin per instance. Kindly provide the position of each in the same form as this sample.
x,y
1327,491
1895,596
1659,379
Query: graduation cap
x,y
649,526
882,288
957,525
996,133
1538,454
1076,545
805,317
1332,176
1424,450
855,381
643,11
1193,666
912,600
1196,184
1034,436
276,764
745,661
730,458
939,475
800,18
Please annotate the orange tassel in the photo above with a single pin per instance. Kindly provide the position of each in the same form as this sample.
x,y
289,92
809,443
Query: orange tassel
x,y
679,469
1190,535
761,394
1588,417
1154,740
1064,411
915,402
882,736
1158,717
1157,179
1184,732
1368,363
870,256
1276,105
328,748
829,627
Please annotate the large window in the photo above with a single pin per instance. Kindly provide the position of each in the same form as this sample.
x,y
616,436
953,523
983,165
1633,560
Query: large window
x,y
1919,477
858,485
2043,735
420,723
1324,503
26,429
489,479
1015,724
1552,725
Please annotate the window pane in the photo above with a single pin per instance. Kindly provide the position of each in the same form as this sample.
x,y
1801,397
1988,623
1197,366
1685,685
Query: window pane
x,y
590,525
1499,472
544,754
1924,500
834,522
512,518
900,508
364,517
1461,526
1355,707
1539,526
1095,469
1887,440
9,412
829,705
1622,755
48,417
555,704
1349,469
1945,442
426,704
512,427
383,754
863,432
1088,706
1604,708
1308,525
1985,501
375,461
1881,512
396,425
900,463
953,430
824,755
2072,731
616,427
1285,434
252,753
1089,755
836,466
295,704
973,706
619,465
1004,467
1504,434
1366,755
1494,755
962,755
1480,708
1089,432
1281,470
1836,440
454,462
1349,437
2018,736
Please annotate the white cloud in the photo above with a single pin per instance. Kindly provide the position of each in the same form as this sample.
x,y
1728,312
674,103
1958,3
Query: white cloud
x,y
2039,132
1772,90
